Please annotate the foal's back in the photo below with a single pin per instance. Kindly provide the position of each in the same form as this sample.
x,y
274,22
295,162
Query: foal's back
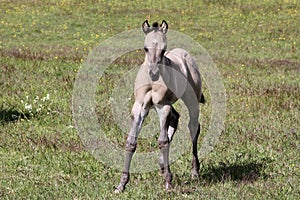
x,y
186,65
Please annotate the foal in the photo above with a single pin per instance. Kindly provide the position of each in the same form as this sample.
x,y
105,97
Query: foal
x,y
163,78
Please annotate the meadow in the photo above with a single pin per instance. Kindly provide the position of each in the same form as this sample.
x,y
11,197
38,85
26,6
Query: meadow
x,y
255,45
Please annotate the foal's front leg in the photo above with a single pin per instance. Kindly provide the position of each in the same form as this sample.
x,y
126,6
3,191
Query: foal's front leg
x,y
139,112
164,141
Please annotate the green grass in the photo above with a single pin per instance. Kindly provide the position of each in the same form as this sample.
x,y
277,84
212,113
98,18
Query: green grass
x,y
255,45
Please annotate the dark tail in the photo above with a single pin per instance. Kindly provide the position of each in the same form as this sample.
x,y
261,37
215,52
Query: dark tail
x,y
202,99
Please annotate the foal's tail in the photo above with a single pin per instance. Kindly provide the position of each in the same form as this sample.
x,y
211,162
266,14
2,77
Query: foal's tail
x,y
202,99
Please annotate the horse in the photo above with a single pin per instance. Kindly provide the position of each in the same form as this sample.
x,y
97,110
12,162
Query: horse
x,y
163,78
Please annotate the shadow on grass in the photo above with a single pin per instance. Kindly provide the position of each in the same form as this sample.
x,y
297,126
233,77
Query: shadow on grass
x,y
242,172
7,116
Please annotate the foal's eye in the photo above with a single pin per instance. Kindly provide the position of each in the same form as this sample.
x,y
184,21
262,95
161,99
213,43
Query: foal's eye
x,y
146,49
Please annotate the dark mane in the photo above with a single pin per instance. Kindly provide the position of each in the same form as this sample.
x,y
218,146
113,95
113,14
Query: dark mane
x,y
155,25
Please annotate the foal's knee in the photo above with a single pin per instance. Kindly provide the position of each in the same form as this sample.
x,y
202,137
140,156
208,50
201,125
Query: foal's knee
x,y
130,145
163,143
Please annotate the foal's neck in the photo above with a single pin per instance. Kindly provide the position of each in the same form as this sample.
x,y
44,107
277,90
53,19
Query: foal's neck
x,y
166,60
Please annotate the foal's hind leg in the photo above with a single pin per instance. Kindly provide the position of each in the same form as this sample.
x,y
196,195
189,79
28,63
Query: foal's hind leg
x,y
195,162
172,127
192,104
194,128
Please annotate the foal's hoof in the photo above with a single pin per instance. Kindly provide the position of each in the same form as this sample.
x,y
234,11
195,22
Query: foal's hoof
x,y
119,189
195,175
169,187
161,172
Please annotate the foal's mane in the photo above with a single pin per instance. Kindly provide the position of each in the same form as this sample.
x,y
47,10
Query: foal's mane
x,y
155,26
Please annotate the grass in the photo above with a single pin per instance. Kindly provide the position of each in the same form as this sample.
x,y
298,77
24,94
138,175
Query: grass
x,y
256,48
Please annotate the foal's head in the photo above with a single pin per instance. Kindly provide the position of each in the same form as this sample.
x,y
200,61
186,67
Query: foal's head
x,y
155,46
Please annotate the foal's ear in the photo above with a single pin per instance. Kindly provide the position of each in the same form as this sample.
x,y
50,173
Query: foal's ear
x,y
164,26
146,27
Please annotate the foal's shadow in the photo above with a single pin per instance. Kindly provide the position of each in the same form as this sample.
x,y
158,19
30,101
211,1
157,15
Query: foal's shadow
x,y
245,172
7,116
239,172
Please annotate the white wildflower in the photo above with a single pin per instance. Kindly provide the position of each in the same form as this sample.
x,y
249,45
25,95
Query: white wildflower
x,y
46,98
28,107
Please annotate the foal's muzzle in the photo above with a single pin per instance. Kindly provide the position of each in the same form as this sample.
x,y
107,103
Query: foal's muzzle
x,y
154,75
